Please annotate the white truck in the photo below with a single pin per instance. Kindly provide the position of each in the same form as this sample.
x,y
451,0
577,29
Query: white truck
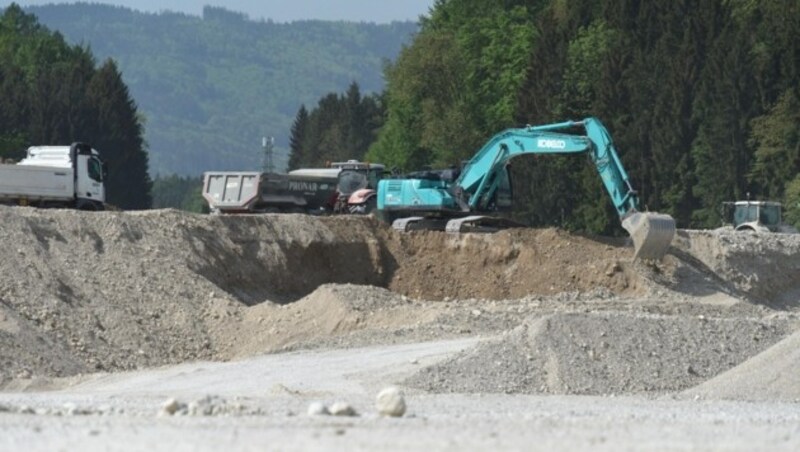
x,y
55,176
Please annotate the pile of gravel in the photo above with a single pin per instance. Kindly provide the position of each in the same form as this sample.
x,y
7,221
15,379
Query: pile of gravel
x,y
603,354
773,375
764,266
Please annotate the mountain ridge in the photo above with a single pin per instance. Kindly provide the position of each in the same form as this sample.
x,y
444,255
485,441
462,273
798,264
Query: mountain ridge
x,y
211,87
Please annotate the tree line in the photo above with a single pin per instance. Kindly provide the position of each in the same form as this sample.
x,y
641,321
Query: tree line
x,y
702,99
341,127
52,93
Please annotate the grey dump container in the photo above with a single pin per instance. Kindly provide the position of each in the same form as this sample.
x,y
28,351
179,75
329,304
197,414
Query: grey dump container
x,y
305,190
231,191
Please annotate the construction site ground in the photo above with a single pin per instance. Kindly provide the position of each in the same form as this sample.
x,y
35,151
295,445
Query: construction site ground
x,y
525,339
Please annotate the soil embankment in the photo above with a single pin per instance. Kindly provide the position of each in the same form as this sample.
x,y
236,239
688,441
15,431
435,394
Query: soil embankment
x,y
103,292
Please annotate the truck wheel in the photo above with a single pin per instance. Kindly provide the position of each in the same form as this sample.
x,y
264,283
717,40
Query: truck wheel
x,y
86,205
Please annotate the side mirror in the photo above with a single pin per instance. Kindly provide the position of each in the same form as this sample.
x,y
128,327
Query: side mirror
x,y
105,171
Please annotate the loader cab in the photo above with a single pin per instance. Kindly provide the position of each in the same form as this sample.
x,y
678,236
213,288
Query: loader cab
x,y
759,216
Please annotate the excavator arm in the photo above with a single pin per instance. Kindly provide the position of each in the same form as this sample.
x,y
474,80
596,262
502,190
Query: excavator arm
x,y
480,185
480,178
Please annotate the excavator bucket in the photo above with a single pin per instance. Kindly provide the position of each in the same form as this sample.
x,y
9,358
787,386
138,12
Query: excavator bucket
x,y
652,234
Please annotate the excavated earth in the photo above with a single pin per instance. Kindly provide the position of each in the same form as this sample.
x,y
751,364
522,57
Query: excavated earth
x,y
553,313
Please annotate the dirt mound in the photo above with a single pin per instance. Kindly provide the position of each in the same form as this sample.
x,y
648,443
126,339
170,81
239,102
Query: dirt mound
x,y
600,354
510,264
764,266
116,291
331,310
107,291
772,375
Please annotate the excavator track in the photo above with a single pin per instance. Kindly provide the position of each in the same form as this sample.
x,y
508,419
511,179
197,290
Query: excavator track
x,y
409,224
472,223
479,223
405,224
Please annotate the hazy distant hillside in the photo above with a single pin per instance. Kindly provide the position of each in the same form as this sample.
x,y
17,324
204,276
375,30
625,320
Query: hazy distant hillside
x,y
211,87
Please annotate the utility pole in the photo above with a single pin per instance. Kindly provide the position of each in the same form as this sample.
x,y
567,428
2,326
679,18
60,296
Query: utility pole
x,y
268,144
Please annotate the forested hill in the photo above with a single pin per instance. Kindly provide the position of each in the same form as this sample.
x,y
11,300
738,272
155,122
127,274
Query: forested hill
x,y
210,87
702,100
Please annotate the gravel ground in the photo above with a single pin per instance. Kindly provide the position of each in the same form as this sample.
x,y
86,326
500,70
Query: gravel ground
x,y
261,404
517,340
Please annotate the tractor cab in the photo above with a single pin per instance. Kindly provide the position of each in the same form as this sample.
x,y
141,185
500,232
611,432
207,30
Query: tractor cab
x,y
758,216
355,175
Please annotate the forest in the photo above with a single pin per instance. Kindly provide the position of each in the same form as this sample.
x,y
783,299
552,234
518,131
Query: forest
x,y
52,93
702,100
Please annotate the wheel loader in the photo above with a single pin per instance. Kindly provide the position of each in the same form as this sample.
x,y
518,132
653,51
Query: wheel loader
x,y
756,216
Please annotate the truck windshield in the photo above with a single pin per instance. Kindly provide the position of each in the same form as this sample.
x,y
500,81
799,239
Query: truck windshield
x,y
95,169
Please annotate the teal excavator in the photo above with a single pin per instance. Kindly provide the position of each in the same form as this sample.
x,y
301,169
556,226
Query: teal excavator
x,y
471,200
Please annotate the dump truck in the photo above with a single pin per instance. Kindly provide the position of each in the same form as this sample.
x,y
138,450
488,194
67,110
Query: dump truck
x,y
341,187
756,216
471,201
55,176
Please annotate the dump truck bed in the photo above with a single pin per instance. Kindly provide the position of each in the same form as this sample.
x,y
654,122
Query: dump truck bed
x,y
231,191
36,183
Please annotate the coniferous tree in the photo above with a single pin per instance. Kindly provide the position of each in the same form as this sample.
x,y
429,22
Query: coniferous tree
x,y
118,136
776,140
340,127
723,105
13,112
297,153
51,93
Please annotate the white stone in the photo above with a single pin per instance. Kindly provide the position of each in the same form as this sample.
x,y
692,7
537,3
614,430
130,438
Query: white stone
x,y
169,408
342,409
317,409
391,402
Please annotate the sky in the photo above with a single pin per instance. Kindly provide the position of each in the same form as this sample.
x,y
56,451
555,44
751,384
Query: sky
x,y
380,11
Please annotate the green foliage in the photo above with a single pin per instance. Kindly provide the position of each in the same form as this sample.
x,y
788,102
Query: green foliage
x,y
52,93
211,87
340,128
177,192
456,83
776,140
297,153
121,147
722,106
701,98
791,202
586,55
